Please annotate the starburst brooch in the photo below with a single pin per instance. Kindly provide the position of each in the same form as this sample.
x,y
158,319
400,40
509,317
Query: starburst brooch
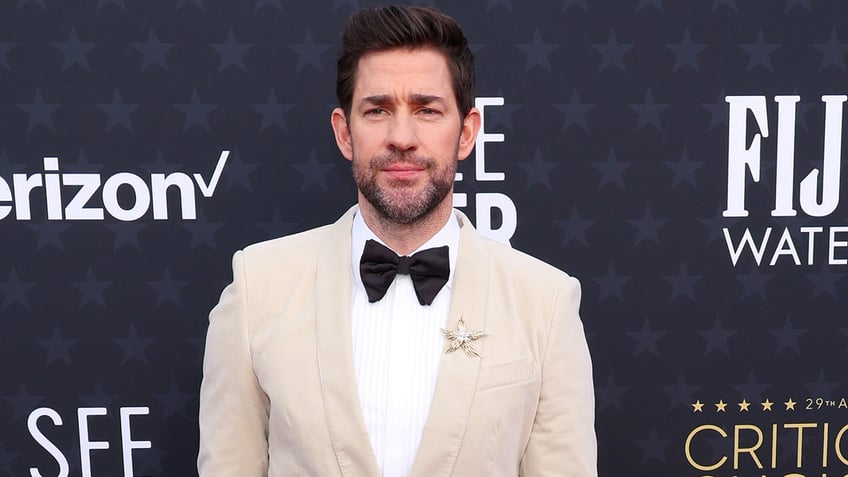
x,y
462,338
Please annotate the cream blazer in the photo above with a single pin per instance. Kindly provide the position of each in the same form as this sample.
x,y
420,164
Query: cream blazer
x,y
279,395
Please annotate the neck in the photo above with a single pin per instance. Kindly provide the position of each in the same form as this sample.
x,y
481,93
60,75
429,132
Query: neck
x,y
405,238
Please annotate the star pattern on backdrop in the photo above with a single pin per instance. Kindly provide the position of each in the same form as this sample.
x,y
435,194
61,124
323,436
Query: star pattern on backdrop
x,y
686,52
648,112
654,447
682,283
753,283
309,52
759,52
752,388
174,401
647,227
656,4
575,3
167,289
680,393
715,224
717,338
538,171
575,112
5,48
7,167
684,170
82,164
232,52
802,109
537,52
277,226
202,232
49,234
822,387
196,112
239,172
118,113
75,52
153,52
23,402
273,113
787,338
160,165
574,228
501,117
646,339
91,289
126,235
15,291
98,397
39,112
57,347
612,52
313,172
7,457
801,4
718,111
609,395
133,347
825,282
612,170
611,284
833,52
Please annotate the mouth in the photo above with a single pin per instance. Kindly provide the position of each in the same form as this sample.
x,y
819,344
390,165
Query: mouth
x,y
403,171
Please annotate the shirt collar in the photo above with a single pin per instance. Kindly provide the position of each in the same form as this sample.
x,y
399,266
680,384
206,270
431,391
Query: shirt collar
x,y
447,235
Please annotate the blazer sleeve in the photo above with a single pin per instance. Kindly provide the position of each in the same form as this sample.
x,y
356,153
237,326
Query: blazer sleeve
x,y
233,406
562,440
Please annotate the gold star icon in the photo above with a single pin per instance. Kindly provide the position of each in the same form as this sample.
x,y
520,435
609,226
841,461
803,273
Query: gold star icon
x,y
462,338
767,405
790,405
699,406
721,406
743,406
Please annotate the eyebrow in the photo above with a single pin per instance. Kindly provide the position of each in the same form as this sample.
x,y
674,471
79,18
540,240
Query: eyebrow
x,y
426,99
418,98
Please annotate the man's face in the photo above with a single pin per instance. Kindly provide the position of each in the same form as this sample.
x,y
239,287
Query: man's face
x,y
404,134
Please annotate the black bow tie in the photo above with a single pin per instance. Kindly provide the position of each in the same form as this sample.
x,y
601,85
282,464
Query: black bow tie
x,y
429,270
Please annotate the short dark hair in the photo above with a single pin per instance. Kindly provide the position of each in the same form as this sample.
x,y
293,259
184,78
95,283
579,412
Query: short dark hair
x,y
384,28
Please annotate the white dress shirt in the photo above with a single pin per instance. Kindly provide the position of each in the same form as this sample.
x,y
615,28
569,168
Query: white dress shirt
x,y
397,346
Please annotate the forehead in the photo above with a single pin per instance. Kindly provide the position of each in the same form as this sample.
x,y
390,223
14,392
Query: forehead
x,y
401,72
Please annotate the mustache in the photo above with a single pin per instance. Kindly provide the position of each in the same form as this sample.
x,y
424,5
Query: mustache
x,y
395,157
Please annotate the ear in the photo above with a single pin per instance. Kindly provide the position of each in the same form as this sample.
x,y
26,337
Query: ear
x,y
342,132
468,133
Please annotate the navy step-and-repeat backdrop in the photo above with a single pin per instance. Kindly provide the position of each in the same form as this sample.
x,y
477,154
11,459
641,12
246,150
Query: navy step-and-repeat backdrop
x,y
683,159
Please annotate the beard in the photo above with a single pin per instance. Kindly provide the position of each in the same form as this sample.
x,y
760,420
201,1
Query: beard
x,y
402,202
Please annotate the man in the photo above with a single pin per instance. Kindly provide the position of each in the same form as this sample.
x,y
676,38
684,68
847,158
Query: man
x,y
331,355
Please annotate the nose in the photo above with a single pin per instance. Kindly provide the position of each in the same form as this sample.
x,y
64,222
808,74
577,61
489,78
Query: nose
x,y
402,134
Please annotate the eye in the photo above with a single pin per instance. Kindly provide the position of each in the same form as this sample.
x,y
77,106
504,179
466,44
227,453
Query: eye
x,y
375,112
429,111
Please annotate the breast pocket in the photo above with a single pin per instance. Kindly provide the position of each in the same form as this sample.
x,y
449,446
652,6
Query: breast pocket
x,y
501,375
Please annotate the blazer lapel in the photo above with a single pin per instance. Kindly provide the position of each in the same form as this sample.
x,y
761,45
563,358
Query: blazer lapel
x,y
335,354
457,378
